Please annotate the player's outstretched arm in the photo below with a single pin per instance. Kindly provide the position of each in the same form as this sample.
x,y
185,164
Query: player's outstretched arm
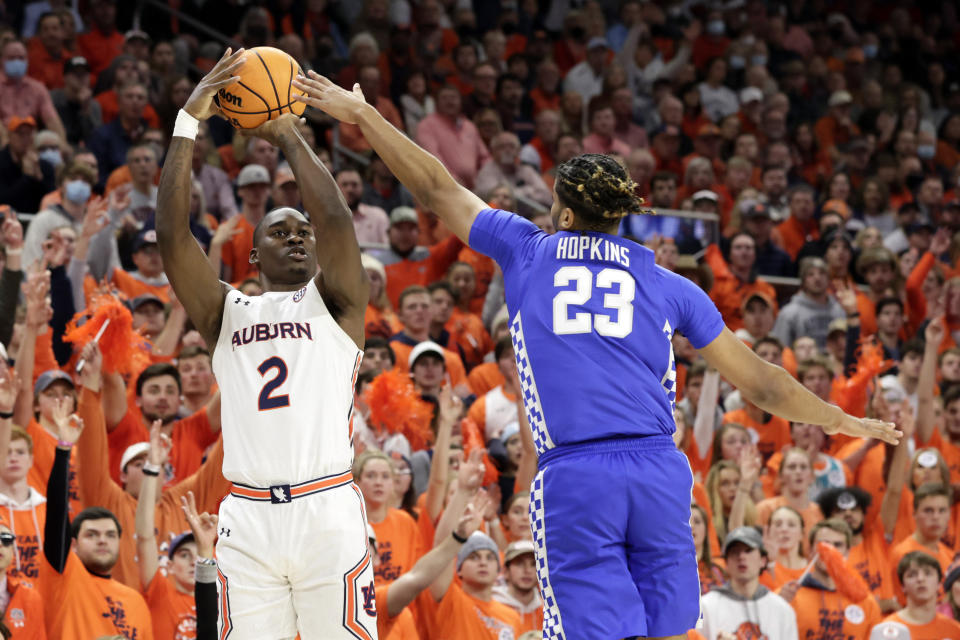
x,y
342,276
775,391
421,173
197,286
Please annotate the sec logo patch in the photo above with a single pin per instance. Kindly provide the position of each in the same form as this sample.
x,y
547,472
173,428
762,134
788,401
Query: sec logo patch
x,y
298,296
854,614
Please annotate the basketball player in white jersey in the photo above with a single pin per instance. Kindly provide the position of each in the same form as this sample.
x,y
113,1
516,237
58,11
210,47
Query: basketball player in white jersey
x,y
292,548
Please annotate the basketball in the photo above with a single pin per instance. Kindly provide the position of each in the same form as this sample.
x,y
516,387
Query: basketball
x,y
265,90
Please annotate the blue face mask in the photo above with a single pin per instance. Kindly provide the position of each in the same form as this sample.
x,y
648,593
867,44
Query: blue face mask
x,y
870,51
15,69
737,62
926,151
716,27
77,191
52,156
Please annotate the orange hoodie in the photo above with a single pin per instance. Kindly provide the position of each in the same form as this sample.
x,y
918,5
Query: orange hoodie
x,y
26,521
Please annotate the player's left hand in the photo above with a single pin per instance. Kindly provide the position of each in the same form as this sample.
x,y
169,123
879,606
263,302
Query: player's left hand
x,y
273,130
865,428
345,106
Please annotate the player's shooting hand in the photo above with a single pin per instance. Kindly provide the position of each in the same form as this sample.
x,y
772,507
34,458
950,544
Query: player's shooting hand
x,y
160,445
69,425
273,131
200,104
865,428
345,106
9,387
203,525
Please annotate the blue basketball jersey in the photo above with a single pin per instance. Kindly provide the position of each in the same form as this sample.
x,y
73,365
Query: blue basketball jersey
x,y
591,316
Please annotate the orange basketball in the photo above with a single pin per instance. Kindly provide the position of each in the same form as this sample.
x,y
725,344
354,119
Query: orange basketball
x,y
265,89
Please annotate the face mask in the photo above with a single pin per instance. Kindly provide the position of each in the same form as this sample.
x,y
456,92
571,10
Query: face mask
x,y
716,27
737,62
926,151
77,191
15,69
52,156
759,60
870,51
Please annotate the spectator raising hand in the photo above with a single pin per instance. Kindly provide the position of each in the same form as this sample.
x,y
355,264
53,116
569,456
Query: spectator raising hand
x,y
69,425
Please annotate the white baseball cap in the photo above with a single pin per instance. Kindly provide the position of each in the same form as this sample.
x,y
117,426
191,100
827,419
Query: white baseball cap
x,y
133,451
427,346
253,174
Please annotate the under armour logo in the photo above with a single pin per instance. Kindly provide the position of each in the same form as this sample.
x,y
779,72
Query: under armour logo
x,y
238,301
224,532
280,493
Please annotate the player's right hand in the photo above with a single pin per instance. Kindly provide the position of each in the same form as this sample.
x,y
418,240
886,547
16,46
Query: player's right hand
x,y
345,106
200,104
865,428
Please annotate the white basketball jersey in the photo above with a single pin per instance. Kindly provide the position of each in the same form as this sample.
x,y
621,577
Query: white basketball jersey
x,y
286,372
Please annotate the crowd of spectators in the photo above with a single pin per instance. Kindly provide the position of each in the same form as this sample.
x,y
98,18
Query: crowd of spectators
x,y
820,140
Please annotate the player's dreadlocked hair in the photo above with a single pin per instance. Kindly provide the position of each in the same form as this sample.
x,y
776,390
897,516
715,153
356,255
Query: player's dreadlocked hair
x,y
598,190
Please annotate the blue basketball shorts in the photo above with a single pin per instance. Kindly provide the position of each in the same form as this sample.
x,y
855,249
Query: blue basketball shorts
x,y
615,552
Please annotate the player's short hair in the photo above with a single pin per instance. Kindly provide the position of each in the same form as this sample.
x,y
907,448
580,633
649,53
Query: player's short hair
x,y
377,342
261,225
16,433
155,371
925,491
93,513
367,456
597,189
834,524
918,559
503,345
192,351
409,291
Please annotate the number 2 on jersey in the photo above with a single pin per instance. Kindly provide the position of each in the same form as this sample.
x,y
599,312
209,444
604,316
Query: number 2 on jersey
x,y
267,401
618,300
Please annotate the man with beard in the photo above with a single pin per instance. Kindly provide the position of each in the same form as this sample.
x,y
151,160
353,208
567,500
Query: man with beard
x,y
520,592
369,222
158,397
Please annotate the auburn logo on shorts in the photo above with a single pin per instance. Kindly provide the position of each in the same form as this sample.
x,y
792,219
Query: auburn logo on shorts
x,y
298,296
369,600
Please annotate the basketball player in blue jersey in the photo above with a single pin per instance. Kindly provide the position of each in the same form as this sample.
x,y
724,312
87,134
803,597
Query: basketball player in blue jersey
x,y
591,317
292,550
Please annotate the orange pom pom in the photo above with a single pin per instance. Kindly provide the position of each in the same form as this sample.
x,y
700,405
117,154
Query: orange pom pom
x,y
396,407
849,582
124,350
473,439
850,394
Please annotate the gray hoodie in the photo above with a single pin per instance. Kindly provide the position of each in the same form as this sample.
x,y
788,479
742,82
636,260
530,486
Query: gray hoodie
x,y
802,316
764,614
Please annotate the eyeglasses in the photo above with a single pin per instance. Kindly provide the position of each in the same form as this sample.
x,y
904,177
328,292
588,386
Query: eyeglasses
x,y
7,539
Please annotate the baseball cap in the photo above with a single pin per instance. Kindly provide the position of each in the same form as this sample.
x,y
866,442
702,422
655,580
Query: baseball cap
x,y
757,295
705,194
283,176
253,174
708,129
477,542
750,94
133,451
369,262
16,122
139,301
837,206
516,549
755,209
512,429
840,97
136,34
745,535
145,237
597,42
404,214
427,346
186,536
47,378
76,63
830,500
872,256
837,325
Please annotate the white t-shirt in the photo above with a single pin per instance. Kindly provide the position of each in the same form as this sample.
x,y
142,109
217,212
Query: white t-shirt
x,y
769,614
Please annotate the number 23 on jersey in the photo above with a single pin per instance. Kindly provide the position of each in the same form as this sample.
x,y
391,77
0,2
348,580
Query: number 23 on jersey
x,y
618,289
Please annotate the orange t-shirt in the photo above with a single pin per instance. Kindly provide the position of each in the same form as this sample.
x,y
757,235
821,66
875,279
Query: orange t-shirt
x,y
463,617
27,525
398,545
825,614
728,295
484,377
111,109
44,451
468,332
380,322
455,368
791,234
944,556
940,627
83,605
24,616
99,49
405,273
132,287
779,575
174,612
870,560
699,495
191,437
236,252
770,437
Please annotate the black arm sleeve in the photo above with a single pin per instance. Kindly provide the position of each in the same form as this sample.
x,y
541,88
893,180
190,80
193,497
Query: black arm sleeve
x,y
56,536
61,299
850,354
9,294
205,596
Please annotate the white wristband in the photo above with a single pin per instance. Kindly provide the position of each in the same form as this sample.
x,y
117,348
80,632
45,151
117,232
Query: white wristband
x,y
186,126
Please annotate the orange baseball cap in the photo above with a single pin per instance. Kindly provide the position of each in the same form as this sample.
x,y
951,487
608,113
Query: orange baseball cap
x,y
16,122
708,129
762,296
837,206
